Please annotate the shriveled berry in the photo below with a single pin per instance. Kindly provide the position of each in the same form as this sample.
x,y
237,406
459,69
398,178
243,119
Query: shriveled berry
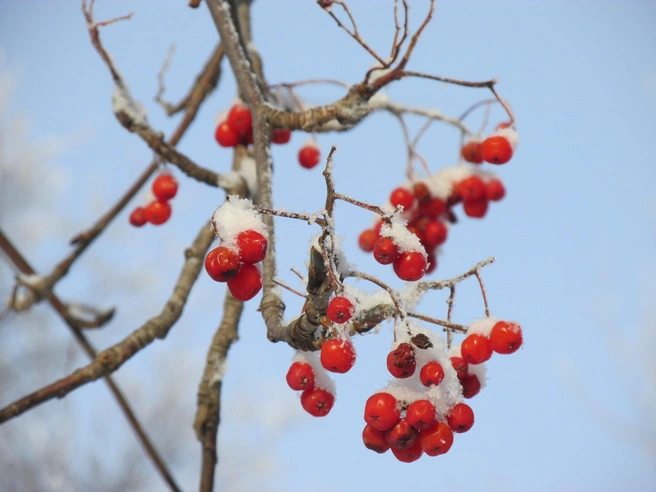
x,y
421,192
471,385
401,361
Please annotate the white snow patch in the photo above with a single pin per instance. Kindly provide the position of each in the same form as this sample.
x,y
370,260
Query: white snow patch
x,y
122,102
235,216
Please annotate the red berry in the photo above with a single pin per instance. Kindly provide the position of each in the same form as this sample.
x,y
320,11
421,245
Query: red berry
x,y
503,124
460,418
476,349
337,355
309,156
385,251
494,190
471,386
165,187
475,208
408,455
435,233
497,149
252,246
317,402
432,263
222,264
138,217
247,283
374,439
431,374
506,337
420,414
226,136
401,435
281,135
300,376
460,365
367,240
433,208
340,310
472,152
421,192
410,266
402,197
401,361
381,411
239,118
157,212
471,188
436,440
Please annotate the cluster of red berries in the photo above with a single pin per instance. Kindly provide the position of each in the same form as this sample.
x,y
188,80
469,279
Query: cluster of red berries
x,y
235,260
476,193
237,128
498,148
411,428
316,400
158,211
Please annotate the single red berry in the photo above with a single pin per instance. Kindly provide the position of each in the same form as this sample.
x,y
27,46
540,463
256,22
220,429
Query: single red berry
x,y
436,440
222,264
435,233
476,349
472,152
410,266
252,246
431,374
460,365
401,361
432,263
247,283
420,414
402,197
401,435
165,187
226,136
433,208
317,402
506,337
309,156
471,386
408,455
475,208
281,135
374,439
381,411
300,376
494,190
157,212
497,149
471,188
385,250
138,217
337,355
340,310
421,192
239,118
367,240
460,418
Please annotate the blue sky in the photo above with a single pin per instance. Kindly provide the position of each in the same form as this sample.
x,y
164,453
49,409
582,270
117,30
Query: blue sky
x,y
574,239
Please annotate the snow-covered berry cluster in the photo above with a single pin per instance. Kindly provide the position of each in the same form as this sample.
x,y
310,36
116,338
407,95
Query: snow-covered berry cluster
x,y
244,244
237,128
158,210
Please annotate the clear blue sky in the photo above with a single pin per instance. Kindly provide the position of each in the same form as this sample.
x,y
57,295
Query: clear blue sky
x,y
574,239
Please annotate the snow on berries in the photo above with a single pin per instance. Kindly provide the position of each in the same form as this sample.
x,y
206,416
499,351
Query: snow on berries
x,y
158,209
243,246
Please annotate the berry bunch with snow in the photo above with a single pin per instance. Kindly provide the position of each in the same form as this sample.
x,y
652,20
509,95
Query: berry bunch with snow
x,y
158,210
243,246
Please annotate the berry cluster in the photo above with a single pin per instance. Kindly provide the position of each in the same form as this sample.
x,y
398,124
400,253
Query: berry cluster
x,y
237,129
158,211
243,245
411,421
